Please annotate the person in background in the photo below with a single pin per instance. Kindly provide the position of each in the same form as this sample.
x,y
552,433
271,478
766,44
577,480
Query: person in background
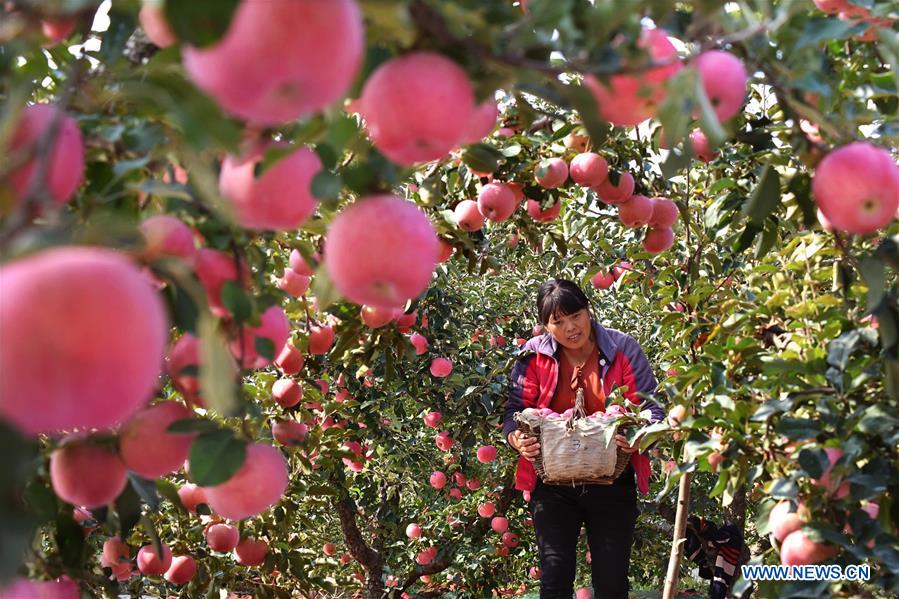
x,y
716,551
577,352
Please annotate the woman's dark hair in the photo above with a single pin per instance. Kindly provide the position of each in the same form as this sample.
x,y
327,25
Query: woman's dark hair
x,y
559,297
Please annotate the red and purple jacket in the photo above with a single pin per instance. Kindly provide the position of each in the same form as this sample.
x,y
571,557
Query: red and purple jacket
x,y
621,363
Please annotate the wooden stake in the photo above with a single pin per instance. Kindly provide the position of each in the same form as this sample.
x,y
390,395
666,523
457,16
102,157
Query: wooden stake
x,y
680,527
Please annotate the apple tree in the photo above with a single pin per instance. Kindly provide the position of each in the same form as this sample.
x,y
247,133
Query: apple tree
x,y
266,266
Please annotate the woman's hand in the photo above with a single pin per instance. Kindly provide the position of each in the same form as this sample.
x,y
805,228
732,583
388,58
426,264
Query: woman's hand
x,y
526,445
621,440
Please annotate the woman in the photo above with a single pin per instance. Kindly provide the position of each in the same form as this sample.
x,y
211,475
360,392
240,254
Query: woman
x,y
577,352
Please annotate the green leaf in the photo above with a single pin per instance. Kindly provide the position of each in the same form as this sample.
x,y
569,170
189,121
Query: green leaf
x,y
359,177
41,501
16,520
323,289
167,489
746,237
767,240
235,299
583,100
839,350
873,271
798,429
273,155
146,490
265,347
674,114
321,490
481,158
128,507
877,419
512,150
150,529
124,167
341,132
69,540
326,186
675,162
823,29
813,461
183,308
327,155
192,426
217,369
765,197
708,120
801,188
487,404
200,22
215,457
121,26
770,408
721,184
784,488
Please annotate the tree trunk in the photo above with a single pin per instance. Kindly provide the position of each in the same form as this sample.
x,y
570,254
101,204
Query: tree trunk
x,y
736,513
370,559
677,546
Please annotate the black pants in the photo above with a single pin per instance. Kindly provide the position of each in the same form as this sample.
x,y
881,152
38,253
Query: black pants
x,y
609,513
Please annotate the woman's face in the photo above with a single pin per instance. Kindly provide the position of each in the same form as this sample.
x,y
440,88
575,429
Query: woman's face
x,y
572,330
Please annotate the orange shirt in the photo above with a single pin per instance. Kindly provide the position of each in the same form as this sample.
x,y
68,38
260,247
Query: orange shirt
x,y
570,378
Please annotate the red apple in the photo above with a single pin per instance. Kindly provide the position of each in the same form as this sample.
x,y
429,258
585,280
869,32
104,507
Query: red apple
x,y
496,202
400,251
182,570
636,212
551,173
589,169
612,193
222,537
248,73
664,213
150,563
499,524
657,241
856,187
417,107
486,454
724,78
251,552
441,367
468,216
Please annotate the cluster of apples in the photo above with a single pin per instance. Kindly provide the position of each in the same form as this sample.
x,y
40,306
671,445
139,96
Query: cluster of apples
x,y
626,99
328,39
181,569
605,280
496,202
119,332
590,170
439,480
87,471
787,519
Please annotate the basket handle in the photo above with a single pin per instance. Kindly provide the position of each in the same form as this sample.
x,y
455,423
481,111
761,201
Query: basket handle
x,y
579,411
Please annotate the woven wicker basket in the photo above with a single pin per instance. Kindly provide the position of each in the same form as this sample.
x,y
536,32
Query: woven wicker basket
x,y
577,450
